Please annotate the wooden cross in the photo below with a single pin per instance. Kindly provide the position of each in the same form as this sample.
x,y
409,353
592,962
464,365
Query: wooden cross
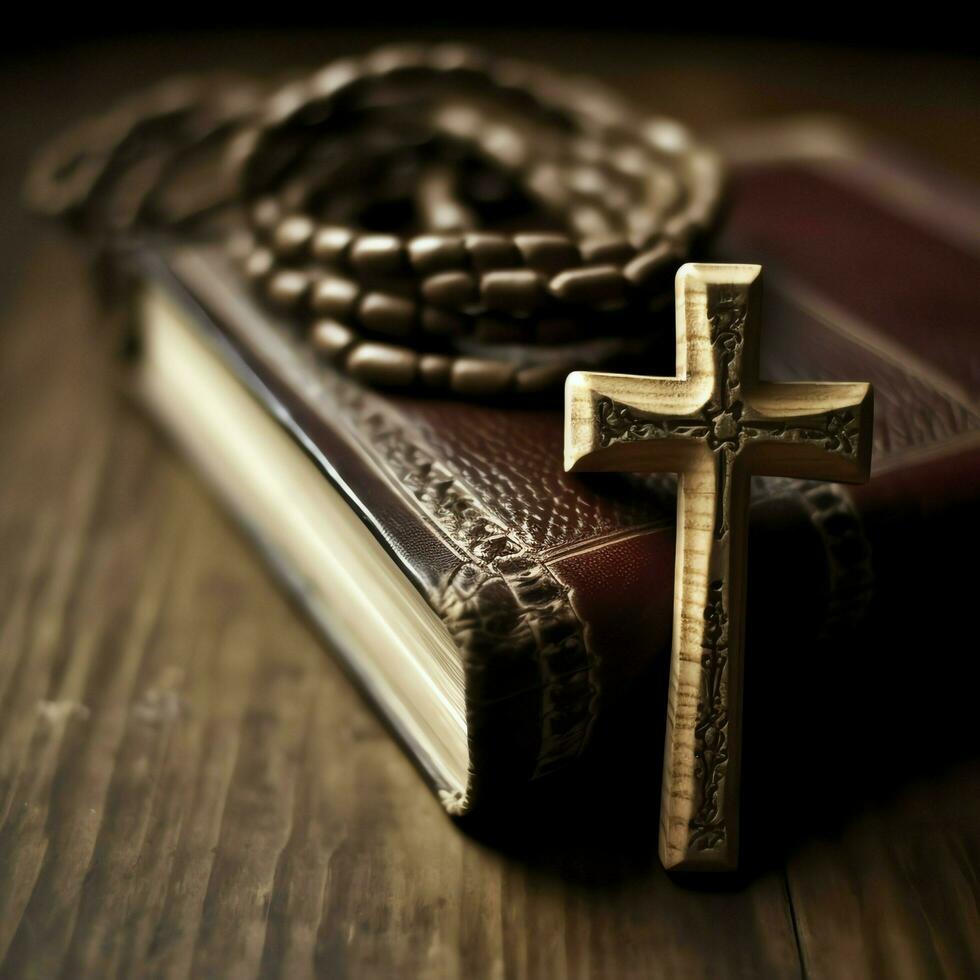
x,y
715,424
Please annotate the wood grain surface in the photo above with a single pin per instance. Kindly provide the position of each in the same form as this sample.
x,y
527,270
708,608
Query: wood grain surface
x,y
190,786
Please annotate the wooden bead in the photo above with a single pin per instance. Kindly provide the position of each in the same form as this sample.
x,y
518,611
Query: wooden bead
x,y
259,264
331,338
601,286
652,266
266,214
330,243
327,82
505,145
284,103
395,59
541,377
549,254
490,251
589,181
475,376
436,253
241,150
287,288
434,370
588,220
387,314
333,296
452,290
518,291
383,364
454,57
603,249
292,235
377,256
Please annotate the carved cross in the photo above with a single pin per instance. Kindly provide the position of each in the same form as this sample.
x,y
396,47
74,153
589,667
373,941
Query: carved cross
x,y
715,424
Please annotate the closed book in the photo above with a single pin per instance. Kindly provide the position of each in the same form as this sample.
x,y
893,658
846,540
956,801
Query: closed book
x,y
497,610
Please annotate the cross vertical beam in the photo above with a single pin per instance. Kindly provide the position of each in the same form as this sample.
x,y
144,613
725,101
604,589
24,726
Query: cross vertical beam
x,y
714,424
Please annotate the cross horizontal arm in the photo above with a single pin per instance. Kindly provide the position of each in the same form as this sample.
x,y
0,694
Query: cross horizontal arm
x,y
587,446
812,430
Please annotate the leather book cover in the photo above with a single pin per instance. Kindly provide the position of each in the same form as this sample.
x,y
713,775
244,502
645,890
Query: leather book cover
x,y
557,588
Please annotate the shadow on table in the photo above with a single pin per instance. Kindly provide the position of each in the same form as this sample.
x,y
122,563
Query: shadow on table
x,y
831,727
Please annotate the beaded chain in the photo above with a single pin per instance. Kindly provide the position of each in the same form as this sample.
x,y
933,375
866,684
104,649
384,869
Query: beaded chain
x,y
430,216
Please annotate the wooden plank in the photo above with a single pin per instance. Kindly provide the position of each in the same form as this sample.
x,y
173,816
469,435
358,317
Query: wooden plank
x,y
896,894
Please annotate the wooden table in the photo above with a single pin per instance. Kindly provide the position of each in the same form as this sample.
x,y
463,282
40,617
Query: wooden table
x,y
189,785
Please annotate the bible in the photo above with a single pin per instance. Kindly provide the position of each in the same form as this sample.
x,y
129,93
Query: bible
x,y
496,609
